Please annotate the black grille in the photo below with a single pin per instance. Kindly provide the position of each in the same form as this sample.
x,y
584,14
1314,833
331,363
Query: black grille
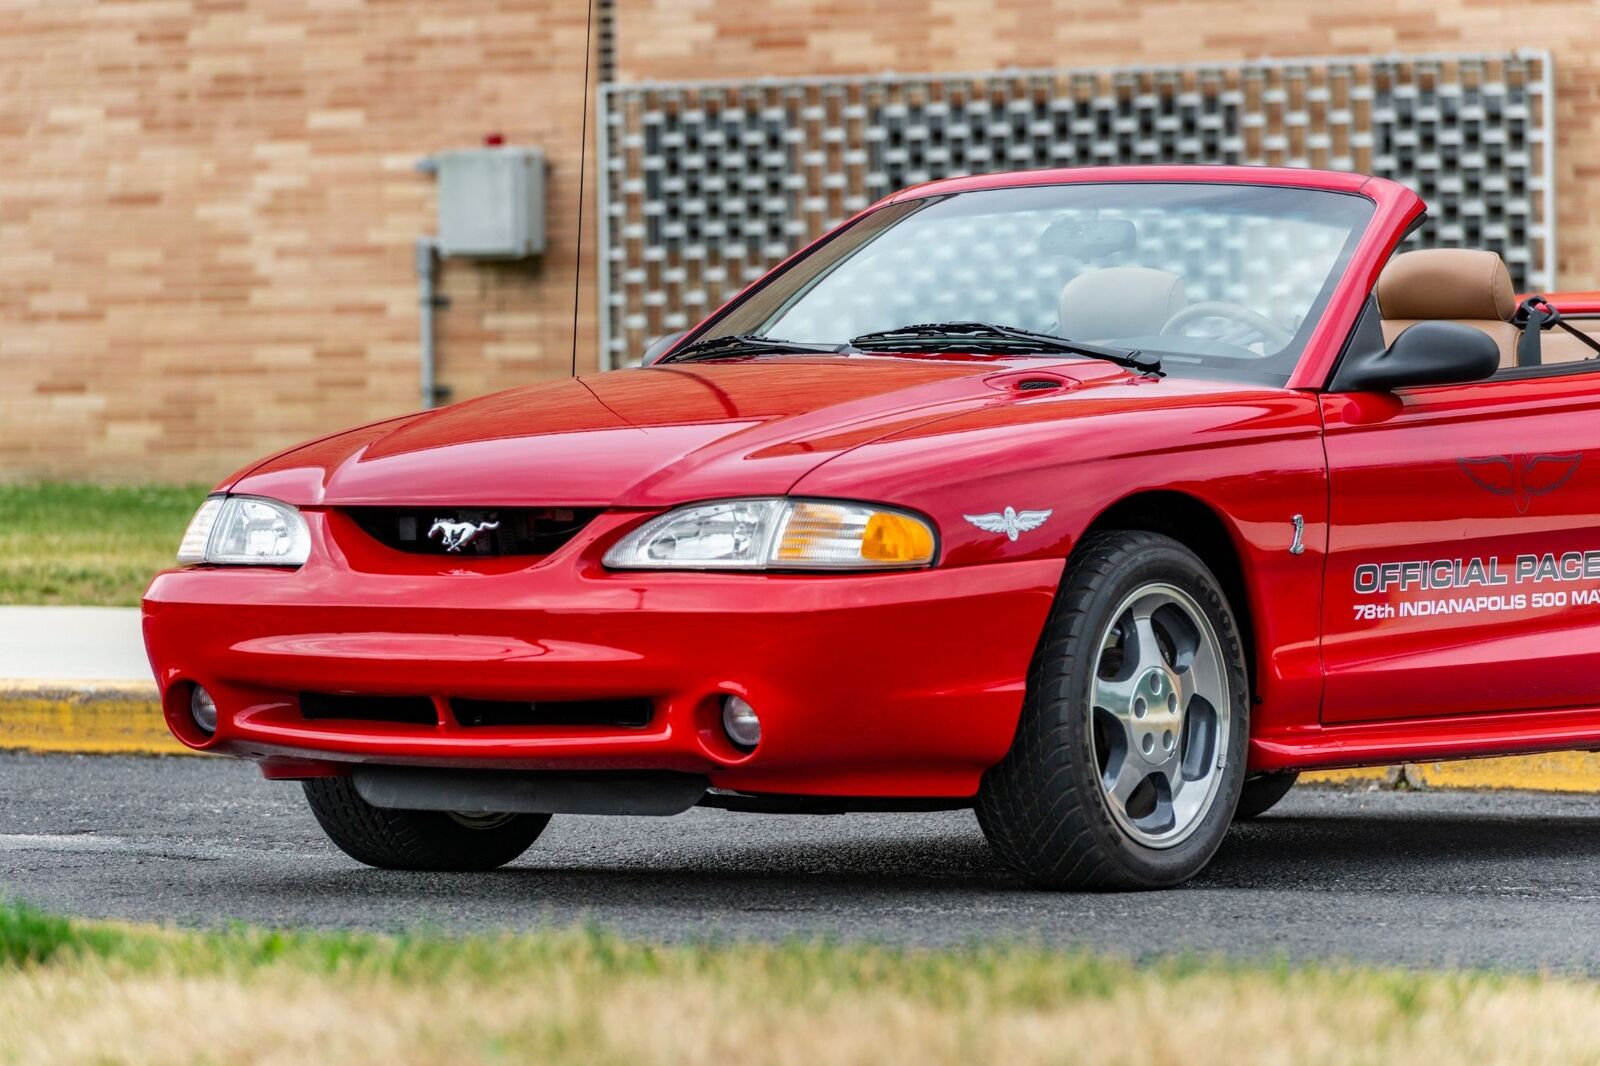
x,y
503,530
623,713
407,710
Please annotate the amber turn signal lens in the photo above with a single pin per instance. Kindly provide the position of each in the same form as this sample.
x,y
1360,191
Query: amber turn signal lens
x,y
896,538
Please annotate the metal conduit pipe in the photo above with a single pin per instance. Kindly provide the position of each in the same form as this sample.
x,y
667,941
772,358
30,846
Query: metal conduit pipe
x,y
427,301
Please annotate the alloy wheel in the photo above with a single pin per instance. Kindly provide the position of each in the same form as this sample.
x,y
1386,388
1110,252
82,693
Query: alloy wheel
x,y
1161,715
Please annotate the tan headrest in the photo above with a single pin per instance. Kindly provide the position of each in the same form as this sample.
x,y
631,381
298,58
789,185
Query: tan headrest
x,y
1449,283
1119,302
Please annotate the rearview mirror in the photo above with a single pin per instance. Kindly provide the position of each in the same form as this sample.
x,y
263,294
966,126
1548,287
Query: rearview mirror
x,y
661,346
1427,353
1088,239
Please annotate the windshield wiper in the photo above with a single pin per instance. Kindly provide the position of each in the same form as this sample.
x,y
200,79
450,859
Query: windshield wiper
x,y
986,334
738,344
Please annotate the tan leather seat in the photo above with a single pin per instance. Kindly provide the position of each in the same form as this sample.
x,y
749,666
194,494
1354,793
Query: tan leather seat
x,y
1453,285
1125,301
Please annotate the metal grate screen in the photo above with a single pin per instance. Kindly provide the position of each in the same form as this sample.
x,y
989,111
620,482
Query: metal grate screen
x,y
705,186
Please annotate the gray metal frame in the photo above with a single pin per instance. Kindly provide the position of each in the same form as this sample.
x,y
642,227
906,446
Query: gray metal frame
x,y
706,185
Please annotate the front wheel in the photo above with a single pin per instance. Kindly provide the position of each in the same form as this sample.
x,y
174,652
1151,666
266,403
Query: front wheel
x,y
1130,751
418,840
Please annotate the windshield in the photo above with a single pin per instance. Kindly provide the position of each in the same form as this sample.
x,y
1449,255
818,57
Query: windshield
x,y
1219,280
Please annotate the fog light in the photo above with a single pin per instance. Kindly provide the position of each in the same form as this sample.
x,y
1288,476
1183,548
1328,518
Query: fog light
x,y
203,709
739,721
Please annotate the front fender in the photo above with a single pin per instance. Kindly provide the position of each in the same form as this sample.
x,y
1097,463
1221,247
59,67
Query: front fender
x,y
1254,458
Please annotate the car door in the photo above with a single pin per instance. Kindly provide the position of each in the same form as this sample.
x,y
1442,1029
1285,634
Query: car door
x,y
1463,567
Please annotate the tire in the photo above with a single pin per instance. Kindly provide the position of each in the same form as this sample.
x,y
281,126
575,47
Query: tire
x,y
1262,792
417,840
1048,808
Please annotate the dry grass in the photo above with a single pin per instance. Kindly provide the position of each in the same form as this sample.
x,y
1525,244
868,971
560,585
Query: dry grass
x,y
97,994
88,544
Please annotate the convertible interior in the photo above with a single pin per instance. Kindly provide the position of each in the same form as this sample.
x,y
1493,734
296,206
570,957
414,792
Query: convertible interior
x,y
1474,288
1466,286
1101,305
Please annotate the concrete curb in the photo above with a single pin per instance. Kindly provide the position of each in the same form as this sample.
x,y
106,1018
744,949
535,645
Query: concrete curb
x,y
85,717
124,718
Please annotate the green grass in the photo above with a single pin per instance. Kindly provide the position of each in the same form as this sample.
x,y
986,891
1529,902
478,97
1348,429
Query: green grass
x,y
63,543
75,991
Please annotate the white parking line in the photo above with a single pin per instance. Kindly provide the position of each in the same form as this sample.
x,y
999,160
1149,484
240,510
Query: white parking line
x,y
54,842
96,844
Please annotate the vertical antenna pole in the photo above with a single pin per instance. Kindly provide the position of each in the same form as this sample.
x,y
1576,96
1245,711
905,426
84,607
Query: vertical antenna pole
x,y
583,160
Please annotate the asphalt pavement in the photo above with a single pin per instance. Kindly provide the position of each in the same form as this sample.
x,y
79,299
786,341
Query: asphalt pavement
x,y
1506,880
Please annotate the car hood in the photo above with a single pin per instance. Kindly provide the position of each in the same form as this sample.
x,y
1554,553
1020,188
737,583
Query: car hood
x,y
650,437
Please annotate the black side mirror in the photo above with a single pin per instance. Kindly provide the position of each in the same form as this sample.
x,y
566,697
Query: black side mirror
x,y
1427,353
661,346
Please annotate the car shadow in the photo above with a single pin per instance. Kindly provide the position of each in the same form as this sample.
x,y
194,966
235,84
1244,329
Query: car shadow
x,y
1305,850
1361,851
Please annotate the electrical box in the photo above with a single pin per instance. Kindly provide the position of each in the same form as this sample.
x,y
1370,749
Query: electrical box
x,y
491,202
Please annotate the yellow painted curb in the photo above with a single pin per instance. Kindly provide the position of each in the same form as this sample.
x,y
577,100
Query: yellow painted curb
x,y
1380,775
1560,771
91,718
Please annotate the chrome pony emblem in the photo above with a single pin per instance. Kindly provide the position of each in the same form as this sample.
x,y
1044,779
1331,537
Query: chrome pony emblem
x,y
457,535
1011,522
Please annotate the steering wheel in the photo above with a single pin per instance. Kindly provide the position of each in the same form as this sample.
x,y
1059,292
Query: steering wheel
x,y
1246,323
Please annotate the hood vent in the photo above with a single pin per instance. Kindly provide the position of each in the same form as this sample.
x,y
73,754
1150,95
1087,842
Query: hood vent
x,y
1030,382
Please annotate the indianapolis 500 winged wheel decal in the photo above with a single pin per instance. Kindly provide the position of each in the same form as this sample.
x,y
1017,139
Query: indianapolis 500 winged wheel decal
x,y
1011,522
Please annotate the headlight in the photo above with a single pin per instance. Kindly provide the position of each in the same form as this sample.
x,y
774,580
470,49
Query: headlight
x,y
760,534
246,530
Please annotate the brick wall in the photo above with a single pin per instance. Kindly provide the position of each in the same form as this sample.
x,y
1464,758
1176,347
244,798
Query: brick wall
x,y
207,210
207,206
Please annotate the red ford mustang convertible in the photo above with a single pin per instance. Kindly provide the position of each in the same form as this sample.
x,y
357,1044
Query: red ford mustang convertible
x,y
1101,501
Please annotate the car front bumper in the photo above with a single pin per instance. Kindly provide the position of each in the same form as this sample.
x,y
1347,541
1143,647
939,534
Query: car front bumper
x,y
889,684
